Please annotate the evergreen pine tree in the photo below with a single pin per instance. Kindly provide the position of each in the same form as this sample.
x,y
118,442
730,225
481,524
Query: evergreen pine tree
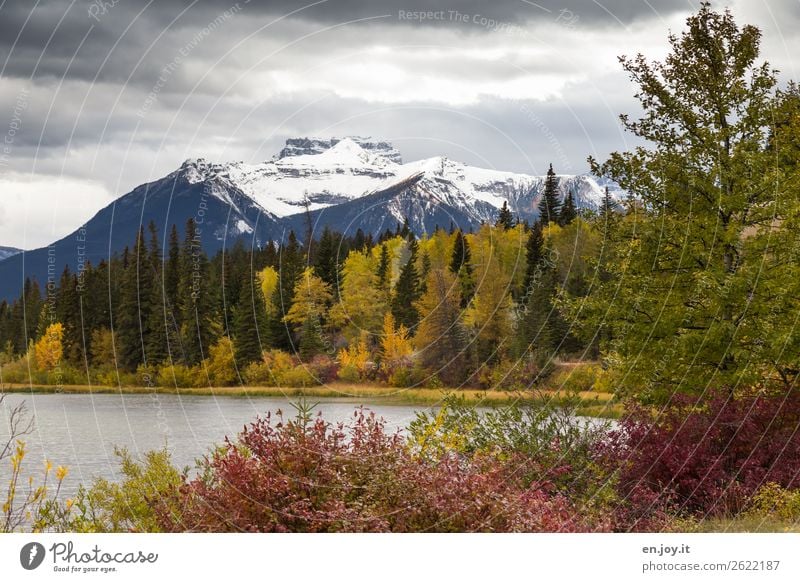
x,y
249,321
461,266
607,211
505,219
384,268
155,334
549,205
68,312
134,307
326,264
290,266
196,300
311,341
406,291
534,254
462,255
568,211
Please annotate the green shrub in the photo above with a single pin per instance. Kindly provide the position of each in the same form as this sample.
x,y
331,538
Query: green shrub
x,y
403,378
349,373
259,374
576,378
772,500
179,376
298,377
126,506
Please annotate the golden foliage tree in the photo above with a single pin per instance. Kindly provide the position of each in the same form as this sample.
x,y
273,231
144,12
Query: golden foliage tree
x,y
50,348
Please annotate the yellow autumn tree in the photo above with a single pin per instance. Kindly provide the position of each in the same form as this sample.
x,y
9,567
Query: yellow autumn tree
x,y
355,361
312,297
221,363
361,302
395,345
49,349
269,282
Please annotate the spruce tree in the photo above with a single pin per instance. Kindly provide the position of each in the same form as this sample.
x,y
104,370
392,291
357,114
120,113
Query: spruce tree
x,y
384,268
195,300
311,338
68,312
290,267
326,264
134,307
155,334
549,205
607,211
461,266
249,322
406,290
505,219
461,253
534,255
568,212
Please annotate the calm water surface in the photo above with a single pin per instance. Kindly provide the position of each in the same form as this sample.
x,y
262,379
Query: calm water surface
x,y
81,430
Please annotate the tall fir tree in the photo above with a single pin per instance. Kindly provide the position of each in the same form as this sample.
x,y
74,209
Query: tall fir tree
x,y
384,270
549,205
249,321
505,219
68,312
134,307
407,290
687,304
568,211
156,348
290,267
196,300
534,256
327,264
461,267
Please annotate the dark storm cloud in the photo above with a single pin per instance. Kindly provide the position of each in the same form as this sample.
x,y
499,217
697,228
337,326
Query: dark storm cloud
x,y
58,37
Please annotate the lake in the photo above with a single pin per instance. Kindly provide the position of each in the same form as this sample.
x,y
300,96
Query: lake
x,y
81,430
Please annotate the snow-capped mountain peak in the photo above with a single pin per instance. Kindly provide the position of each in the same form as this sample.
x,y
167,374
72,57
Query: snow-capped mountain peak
x,y
314,174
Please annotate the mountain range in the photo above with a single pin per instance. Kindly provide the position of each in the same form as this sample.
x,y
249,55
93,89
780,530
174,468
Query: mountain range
x,y
6,252
347,184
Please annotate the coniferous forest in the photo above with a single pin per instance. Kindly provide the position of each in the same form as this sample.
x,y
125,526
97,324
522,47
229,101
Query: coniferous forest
x,y
456,309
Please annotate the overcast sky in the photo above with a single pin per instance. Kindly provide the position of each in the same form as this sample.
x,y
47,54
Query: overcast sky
x,y
98,97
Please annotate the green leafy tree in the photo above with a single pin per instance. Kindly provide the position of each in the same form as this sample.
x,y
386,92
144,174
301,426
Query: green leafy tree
x,y
688,294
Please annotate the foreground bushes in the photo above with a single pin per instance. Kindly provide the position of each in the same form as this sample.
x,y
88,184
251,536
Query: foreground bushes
x,y
531,468
308,476
706,458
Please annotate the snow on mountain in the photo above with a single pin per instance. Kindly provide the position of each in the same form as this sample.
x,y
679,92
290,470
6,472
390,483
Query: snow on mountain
x,y
309,146
6,252
315,174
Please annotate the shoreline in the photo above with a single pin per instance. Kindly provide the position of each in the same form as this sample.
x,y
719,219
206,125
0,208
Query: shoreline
x,y
595,404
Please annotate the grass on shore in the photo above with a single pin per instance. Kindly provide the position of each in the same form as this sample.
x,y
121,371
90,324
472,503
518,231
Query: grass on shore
x,y
591,403
746,524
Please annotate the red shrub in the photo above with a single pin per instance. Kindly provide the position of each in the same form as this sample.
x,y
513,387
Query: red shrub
x,y
705,459
302,477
